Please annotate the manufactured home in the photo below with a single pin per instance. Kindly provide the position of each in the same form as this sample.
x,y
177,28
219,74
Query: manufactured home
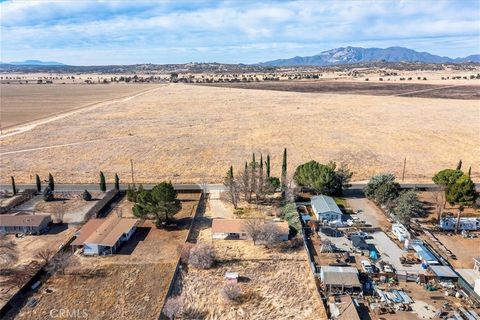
x,y
104,236
24,223
235,229
468,224
325,208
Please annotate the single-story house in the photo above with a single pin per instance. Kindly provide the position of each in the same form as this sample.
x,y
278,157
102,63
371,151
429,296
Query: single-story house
x,y
104,236
444,273
343,308
466,223
359,243
325,208
24,223
338,280
235,229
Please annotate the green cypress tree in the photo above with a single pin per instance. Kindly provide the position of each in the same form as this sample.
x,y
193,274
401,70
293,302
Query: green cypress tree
x,y
230,172
469,172
103,185
459,165
39,183
14,188
117,182
268,166
51,182
284,168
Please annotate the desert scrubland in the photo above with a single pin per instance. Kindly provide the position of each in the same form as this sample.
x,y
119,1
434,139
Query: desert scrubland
x,y
192,133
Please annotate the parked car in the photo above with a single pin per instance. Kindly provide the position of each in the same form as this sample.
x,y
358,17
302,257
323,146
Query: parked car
x,y
367,266
387,268
359,234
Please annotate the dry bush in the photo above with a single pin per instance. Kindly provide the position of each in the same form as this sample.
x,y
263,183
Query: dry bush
x,y
59,263
173,307
185,252
202,256
45,255
231,292
8,254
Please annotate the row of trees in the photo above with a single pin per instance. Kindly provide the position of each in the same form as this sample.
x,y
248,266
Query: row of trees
x,y
255,182
386,192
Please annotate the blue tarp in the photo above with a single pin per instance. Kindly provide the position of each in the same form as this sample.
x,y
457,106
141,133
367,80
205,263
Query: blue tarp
x,y
373,255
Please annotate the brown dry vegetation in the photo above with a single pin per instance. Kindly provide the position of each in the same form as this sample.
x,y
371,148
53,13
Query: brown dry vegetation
x,y
129,285
23,103
193,133
274,284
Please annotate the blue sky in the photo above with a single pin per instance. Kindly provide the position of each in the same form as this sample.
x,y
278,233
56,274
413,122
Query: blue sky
x,y
127,32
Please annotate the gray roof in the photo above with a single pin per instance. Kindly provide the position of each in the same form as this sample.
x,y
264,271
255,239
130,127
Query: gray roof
x,y
443,271
347,276
323,204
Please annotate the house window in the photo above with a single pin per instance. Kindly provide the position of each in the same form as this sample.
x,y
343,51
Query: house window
x,y
244,234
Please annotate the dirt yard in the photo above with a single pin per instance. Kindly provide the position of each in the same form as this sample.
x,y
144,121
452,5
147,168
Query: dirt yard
x,y
275,284
25,260
188,133
464,248
23,103
129,285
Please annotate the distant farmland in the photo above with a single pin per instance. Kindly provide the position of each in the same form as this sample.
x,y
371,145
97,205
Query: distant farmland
x,y
27,102
192,133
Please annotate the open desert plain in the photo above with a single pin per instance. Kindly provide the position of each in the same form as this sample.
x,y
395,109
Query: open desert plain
x,y
193,133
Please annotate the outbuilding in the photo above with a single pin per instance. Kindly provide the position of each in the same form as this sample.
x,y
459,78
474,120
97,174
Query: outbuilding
x,y
339,280
443,273
325,208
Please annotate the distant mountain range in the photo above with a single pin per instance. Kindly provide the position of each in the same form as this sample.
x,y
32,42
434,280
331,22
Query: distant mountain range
x,y
351,55
34,63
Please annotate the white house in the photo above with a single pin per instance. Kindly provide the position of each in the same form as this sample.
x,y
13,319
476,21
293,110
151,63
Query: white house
x,y
104,236
400,232
469,224
235,229
325,208
24,223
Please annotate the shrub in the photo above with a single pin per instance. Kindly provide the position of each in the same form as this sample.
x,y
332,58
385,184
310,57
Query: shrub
x,y
48,194
173,306
231,292
202,256
86,195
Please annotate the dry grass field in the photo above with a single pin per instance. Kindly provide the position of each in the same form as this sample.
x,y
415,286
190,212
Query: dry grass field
x,y
28,102
274,283
131,284
190,133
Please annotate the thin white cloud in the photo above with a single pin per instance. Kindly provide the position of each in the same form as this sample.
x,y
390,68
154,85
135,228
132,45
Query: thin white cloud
x,y
213,30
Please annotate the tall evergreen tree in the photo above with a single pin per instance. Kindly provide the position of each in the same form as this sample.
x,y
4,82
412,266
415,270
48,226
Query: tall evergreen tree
x,y
459,165
39,183
261,178
117,182
51,182
268,166
230,172
14,188
284,168
103,185
470,172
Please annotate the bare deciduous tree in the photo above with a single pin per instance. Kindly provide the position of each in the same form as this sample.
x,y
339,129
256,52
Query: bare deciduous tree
x,y
202,256
59,212
438,199
270,234
173,307
254,228
59,263
45,255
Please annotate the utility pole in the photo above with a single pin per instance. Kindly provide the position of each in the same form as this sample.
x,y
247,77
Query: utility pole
x,y
131,168
404,164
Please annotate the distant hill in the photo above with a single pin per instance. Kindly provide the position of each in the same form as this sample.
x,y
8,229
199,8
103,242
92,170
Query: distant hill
x,y
351,55
34,63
